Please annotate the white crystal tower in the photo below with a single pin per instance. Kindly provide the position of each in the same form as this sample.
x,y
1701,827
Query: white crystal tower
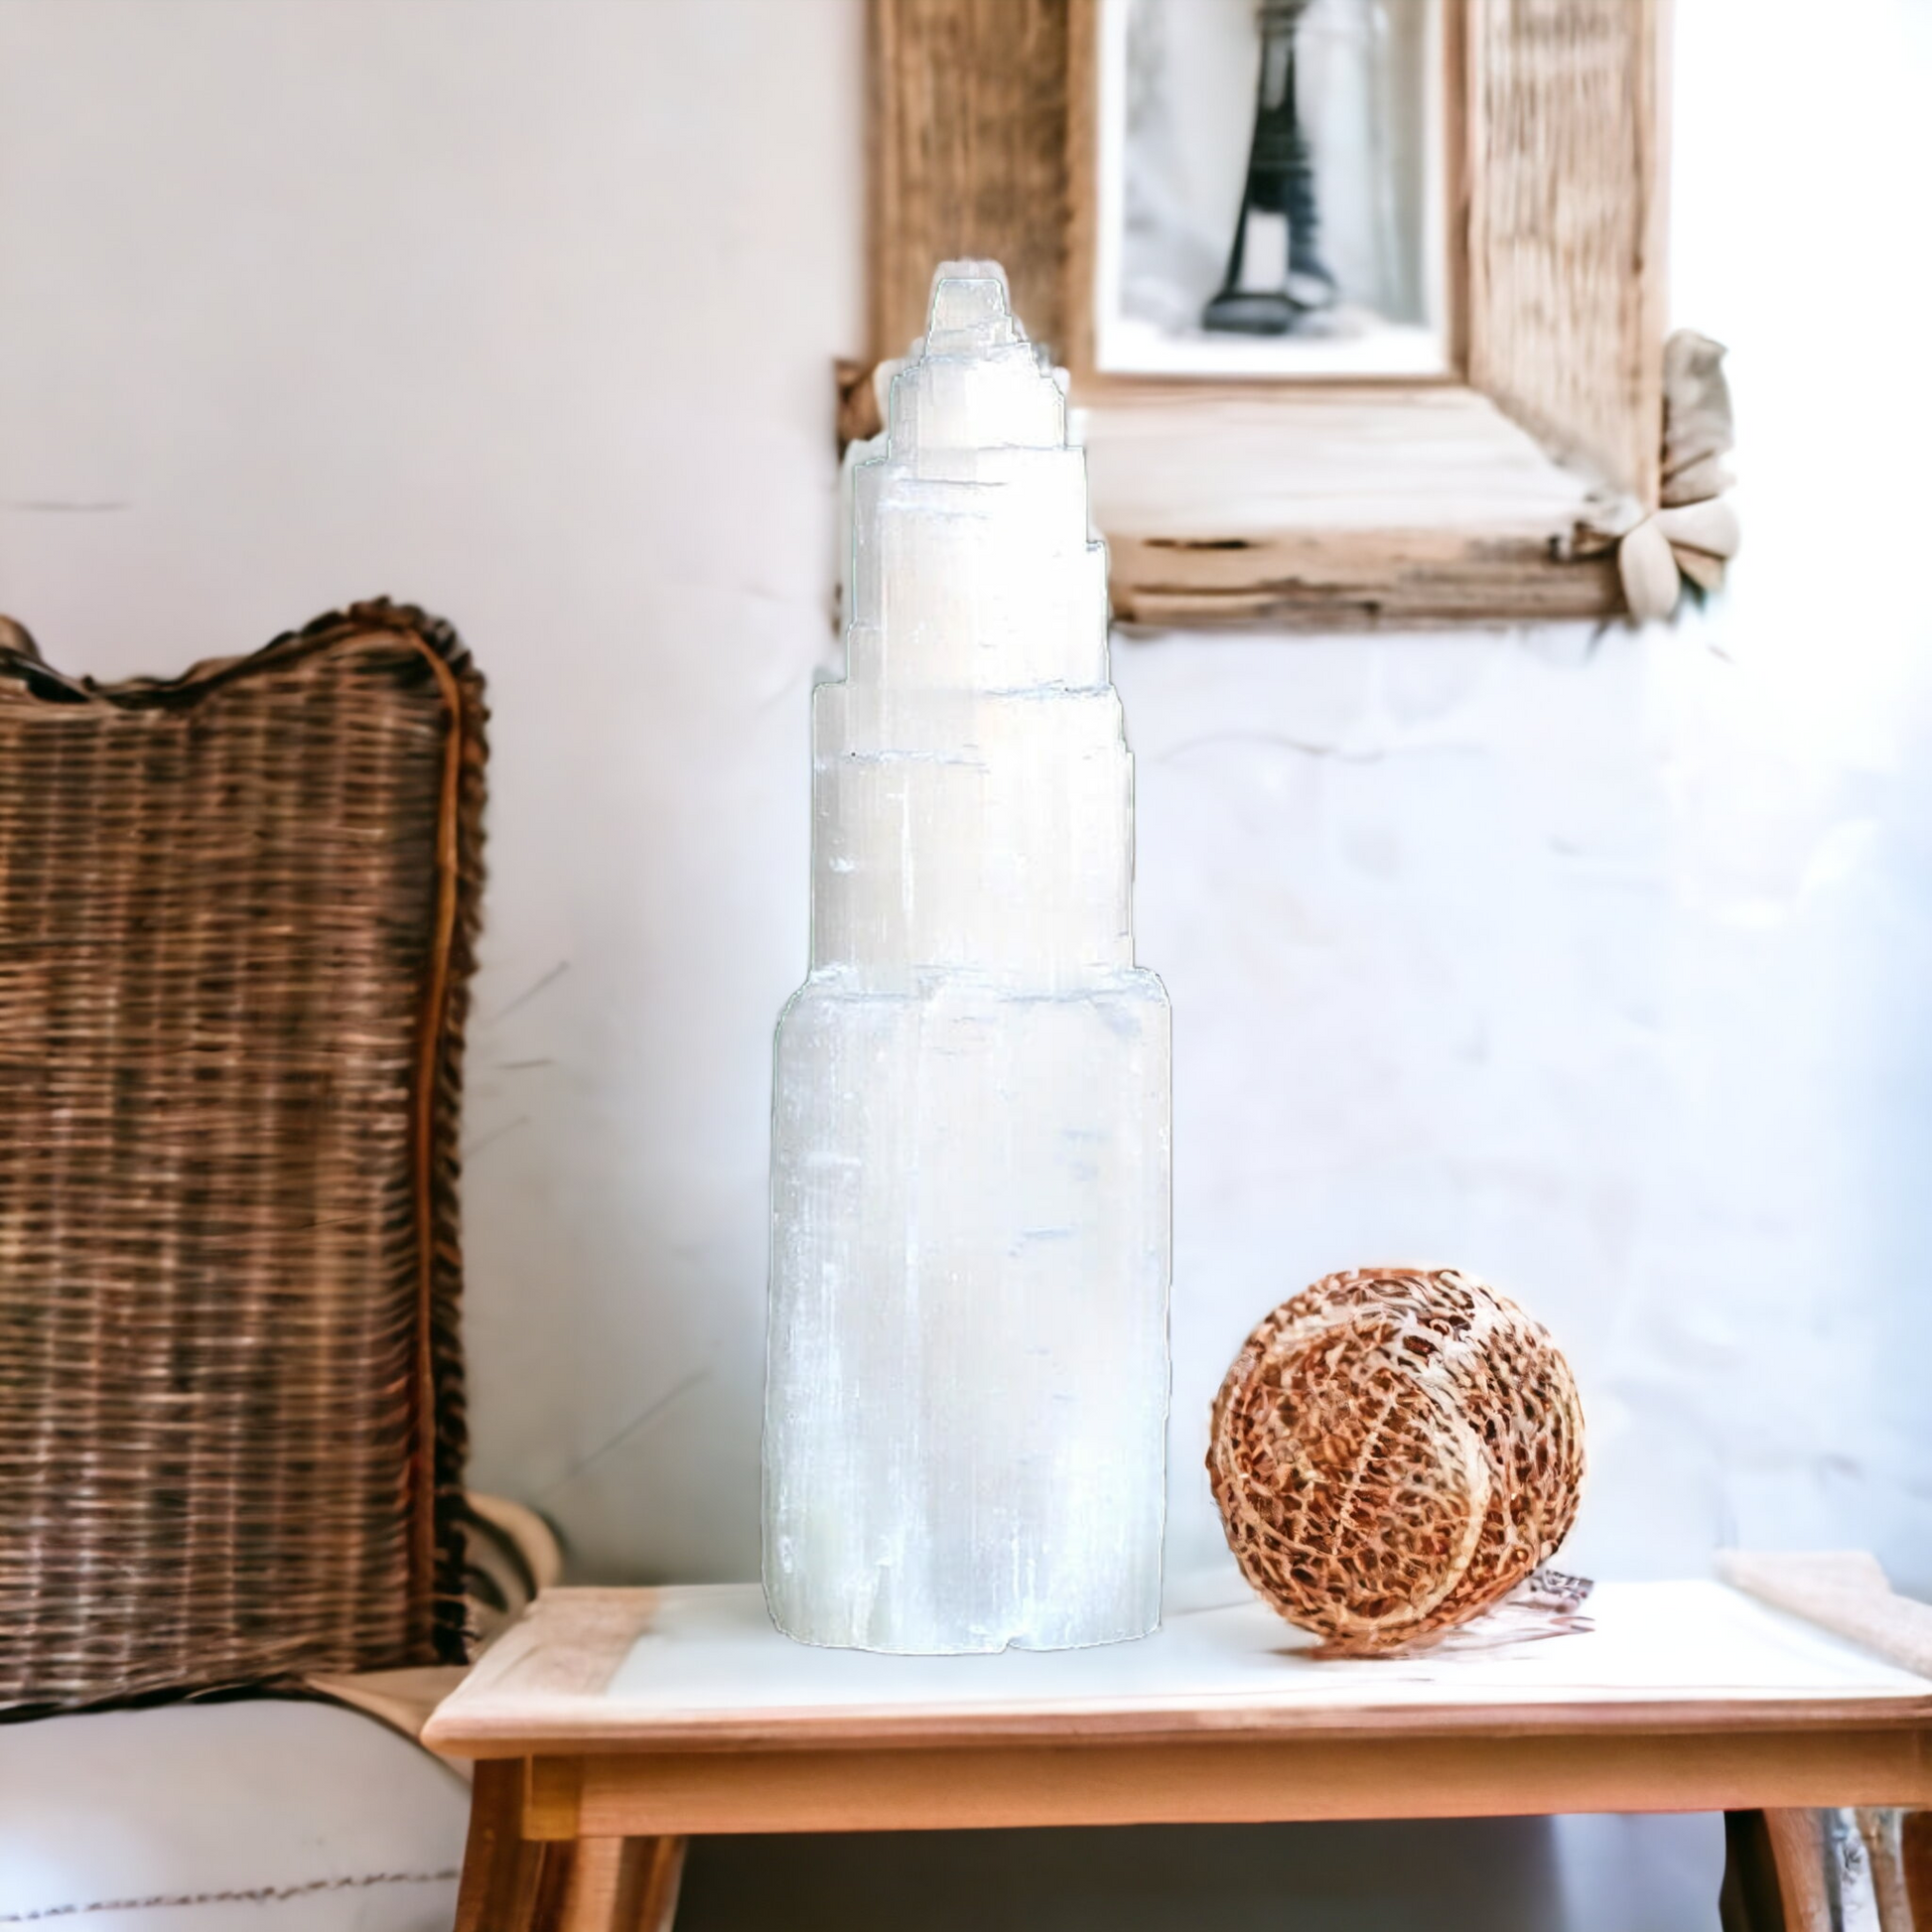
x,y
967,1380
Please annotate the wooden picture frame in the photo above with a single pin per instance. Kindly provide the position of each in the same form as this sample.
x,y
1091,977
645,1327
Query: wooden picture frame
x,y
1496,493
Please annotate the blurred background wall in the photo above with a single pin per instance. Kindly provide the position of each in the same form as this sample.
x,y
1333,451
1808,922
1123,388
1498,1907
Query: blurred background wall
x,y
1594,962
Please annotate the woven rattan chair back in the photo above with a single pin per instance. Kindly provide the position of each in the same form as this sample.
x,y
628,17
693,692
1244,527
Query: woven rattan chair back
x,y
236,919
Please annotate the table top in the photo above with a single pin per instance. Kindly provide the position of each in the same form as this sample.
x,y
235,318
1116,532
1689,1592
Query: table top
x,y
695,1668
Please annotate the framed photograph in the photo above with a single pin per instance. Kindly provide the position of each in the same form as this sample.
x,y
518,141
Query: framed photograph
x,y
1271,188
1362,300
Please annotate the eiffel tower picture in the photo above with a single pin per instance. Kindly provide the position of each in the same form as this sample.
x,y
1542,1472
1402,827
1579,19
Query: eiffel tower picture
x,y
1276,280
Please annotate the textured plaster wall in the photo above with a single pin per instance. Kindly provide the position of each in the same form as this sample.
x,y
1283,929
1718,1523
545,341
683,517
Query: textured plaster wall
x,y
526,314
1593,962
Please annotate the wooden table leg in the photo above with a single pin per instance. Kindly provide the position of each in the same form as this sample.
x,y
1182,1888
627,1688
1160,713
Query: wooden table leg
x,y
622,1884
507,1878
1798,1848
1915,1858
654,1869
1882,1834
511,1884
1774,1873
1749,1899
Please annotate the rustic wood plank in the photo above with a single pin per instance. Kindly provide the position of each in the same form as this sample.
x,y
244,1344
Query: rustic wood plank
x,y
1460,136
1566,198
1331,506
983,142
1385,579
1246,1781
1326,504
1324,460
1080,167
968,142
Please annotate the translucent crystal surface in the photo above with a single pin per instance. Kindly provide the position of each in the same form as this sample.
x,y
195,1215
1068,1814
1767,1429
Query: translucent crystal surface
x,y
967,1379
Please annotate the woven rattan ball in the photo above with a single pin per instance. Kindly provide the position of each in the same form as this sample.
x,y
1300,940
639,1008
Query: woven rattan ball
x,y
1392,1450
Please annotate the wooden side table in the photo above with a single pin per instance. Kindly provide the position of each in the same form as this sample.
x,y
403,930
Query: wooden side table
x,y
610,1725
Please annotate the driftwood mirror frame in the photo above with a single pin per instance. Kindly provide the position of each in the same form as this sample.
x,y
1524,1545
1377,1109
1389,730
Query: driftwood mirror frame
x,y
1495,492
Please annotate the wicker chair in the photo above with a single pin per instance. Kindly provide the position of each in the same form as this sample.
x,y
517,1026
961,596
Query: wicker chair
x,y
236,918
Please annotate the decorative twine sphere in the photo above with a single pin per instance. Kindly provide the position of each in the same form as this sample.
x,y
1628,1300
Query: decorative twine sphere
x,y
1393,1452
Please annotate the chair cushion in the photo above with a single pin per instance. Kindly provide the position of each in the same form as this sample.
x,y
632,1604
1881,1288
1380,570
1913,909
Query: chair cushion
x,y
265,1814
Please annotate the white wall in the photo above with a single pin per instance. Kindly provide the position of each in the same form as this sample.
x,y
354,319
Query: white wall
x,y
525,314
1595,962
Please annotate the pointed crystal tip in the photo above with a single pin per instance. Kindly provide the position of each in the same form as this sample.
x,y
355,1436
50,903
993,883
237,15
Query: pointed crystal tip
x,y
970,309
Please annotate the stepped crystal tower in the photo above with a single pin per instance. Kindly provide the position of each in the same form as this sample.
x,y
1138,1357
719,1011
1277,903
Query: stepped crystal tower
x,y
967,1379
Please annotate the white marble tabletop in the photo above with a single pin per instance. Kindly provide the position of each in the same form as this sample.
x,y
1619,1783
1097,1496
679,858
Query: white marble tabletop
x,y
696,1666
